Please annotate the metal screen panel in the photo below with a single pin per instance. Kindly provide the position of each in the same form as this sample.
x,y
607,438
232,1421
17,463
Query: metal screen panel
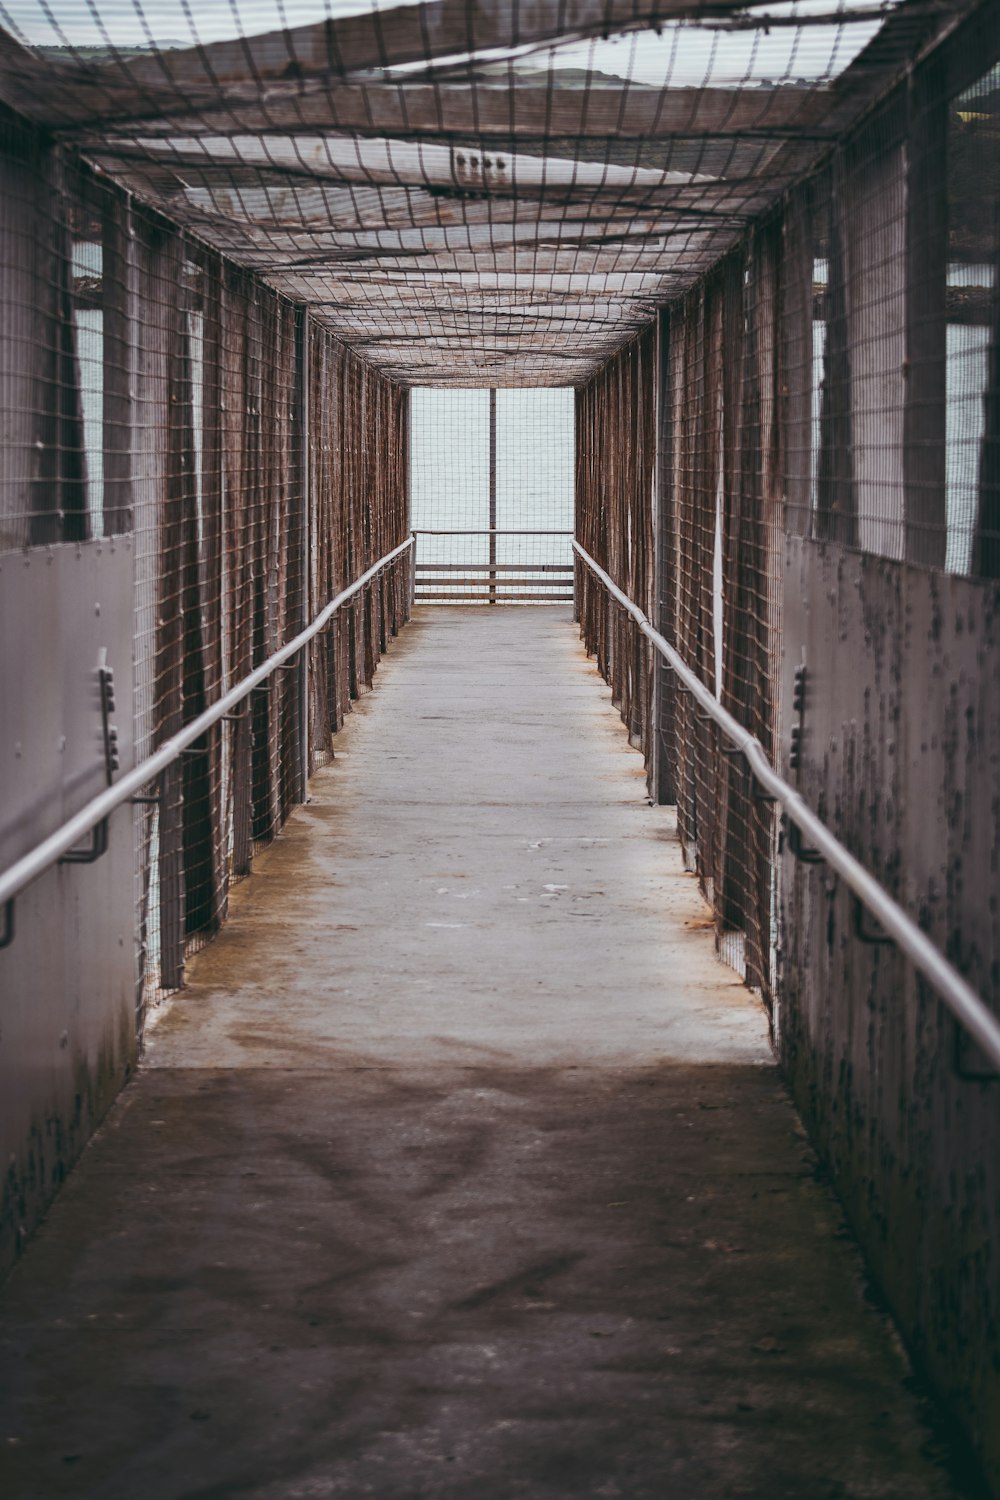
x,y
492,495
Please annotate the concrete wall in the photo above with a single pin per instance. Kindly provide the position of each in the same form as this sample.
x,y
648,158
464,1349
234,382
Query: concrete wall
x,y
67,980
902,759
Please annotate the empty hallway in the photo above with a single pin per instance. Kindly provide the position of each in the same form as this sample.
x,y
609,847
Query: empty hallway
x,y
546,1046
462,1167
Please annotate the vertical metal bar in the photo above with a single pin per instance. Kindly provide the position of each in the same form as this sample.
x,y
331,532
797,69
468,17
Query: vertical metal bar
x,y
120,355
171,836
926,252
662,786
304,499
493,495
578,500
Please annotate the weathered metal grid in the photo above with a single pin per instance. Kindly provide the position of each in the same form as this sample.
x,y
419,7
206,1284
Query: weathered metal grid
x,y
153,389
494,195
811,382
893,247
614,521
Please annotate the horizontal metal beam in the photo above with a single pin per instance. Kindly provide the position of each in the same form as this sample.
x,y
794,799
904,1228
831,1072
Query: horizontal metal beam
x,y
959,996
398,163
421,531
33,864
527,108
518,582
484,597
493,567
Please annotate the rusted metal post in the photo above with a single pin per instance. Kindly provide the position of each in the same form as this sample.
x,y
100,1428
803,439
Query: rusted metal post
x,y
493,496
303,501
660,774
926,250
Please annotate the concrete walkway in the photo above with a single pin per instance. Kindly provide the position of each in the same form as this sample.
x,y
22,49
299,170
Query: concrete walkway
x,y
461,1169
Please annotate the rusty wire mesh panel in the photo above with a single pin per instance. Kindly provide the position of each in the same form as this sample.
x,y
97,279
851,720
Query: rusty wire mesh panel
x,y
492,495
724,616
294,481
833,376
614,522
893,245
154,391
358,450
469,196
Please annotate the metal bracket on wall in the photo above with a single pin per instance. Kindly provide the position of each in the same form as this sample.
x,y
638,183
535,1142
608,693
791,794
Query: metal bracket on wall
x,y
106,679
865,934
804,855
799,708
964,1052
98,846
151,799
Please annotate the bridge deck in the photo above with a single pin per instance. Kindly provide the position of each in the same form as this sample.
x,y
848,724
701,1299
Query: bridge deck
x,y
462,1168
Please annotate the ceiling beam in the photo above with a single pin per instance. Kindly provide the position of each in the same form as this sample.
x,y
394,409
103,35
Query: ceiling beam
x,y
505,110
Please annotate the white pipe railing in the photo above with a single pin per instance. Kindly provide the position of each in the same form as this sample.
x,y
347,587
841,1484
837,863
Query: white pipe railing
x,y
486,531
33,864
959,996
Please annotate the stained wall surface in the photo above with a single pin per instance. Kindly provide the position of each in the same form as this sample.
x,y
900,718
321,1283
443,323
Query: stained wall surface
x,y
901,757
68,971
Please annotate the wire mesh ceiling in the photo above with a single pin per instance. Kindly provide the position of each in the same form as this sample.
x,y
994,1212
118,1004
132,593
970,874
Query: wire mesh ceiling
x,y
491,194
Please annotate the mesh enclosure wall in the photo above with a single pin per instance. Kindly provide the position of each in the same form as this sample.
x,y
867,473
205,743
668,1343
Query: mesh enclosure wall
x,y
833,376
154,390
469,195
614,521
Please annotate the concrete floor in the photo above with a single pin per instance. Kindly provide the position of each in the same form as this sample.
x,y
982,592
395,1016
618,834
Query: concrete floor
x,y
461,1169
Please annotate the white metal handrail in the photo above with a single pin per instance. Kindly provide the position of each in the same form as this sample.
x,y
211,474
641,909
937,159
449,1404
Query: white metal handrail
x,y
959,996
33,864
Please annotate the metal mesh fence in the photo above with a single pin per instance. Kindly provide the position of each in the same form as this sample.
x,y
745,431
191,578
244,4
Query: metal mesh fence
x,y
833,376
158,394
893,247
614,519
471,196
492,495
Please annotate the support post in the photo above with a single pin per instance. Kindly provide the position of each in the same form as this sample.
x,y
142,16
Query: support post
x,y
926,248
661,770
493,496
303,502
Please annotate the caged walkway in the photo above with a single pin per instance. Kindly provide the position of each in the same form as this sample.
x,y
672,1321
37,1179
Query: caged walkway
x,y
458,1171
